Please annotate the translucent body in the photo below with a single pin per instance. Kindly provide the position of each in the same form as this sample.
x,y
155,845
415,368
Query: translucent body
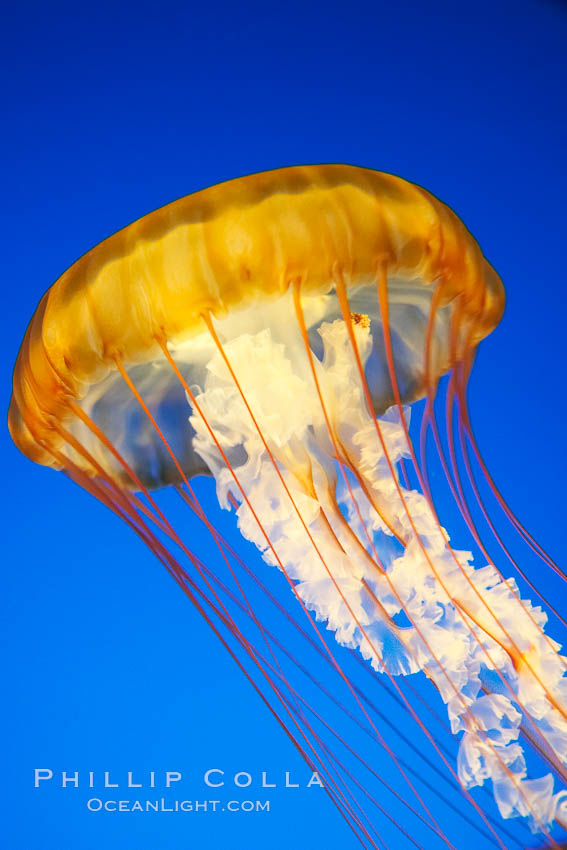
x,y
273,332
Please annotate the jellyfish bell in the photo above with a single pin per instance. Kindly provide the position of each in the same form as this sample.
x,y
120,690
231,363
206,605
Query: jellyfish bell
x,y
233,251
274,332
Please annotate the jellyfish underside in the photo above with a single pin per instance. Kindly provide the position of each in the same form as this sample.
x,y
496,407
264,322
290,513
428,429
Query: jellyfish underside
x,y
272,402
119,415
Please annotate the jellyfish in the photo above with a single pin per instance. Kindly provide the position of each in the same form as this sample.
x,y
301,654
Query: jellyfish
x,y
288,336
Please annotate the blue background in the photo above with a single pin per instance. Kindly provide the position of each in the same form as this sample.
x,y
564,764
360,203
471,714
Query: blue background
x,y
113,109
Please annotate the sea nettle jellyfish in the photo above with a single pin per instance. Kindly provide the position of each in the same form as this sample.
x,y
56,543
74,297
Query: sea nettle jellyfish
x,y
290,334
